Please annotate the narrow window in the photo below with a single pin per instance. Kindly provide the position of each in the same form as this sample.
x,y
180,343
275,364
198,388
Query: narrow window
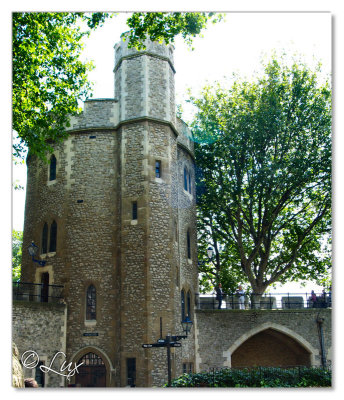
x,y
182,295
184,368
53,237
44,239
134,210
189,183
91,303
131,372
158,169
187,368
185,179
52,174
188,243
188,304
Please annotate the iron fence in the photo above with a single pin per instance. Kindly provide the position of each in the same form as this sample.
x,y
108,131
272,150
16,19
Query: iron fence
x,y
267,301
38,292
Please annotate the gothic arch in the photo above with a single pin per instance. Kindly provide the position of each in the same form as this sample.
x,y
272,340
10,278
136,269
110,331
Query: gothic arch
x,y
96,350
261,328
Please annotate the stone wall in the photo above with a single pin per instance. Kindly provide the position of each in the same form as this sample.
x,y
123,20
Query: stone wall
x,y
40,327
84,202
100,113
222,334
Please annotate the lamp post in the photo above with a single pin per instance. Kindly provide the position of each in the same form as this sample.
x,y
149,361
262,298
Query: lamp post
x,y
32,249
171,341
210,252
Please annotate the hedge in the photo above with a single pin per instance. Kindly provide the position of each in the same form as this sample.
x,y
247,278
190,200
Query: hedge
x,y
258,377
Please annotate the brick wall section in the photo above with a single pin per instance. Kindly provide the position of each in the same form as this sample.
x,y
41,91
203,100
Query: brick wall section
x,y
40,327
219,330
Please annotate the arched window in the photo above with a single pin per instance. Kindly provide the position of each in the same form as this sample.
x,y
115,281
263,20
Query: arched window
x,y
91,301
188,243
53,237
182,295
52,172
44,239
188,304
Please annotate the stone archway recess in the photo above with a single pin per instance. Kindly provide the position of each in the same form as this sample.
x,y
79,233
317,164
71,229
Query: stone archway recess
x,y
263,327
96,350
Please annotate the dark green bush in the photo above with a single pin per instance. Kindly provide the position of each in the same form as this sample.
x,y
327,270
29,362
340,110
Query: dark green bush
x,y
258,377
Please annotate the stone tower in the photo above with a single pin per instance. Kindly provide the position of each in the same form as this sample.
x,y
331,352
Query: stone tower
x,y
114,217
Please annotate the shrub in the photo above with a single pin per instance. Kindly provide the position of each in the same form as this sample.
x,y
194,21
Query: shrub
x,y
258,377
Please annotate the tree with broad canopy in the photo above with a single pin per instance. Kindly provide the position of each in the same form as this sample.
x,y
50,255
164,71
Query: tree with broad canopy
x,y
263,155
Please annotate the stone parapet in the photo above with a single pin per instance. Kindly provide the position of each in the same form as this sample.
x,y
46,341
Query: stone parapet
x,y
98,113
184,135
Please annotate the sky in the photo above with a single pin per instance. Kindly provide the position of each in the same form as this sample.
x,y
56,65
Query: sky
x,y
235,45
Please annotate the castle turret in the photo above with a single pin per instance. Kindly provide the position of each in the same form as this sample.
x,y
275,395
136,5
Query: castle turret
x,y
114,217
144,82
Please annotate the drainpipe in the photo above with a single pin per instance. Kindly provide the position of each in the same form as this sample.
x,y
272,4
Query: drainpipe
x,y
320,322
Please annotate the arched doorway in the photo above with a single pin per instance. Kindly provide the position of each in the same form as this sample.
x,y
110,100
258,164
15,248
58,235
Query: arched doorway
x,y
93,371
270,348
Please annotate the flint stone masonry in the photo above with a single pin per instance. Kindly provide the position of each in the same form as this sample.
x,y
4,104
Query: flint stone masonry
x,y
100,113
41,327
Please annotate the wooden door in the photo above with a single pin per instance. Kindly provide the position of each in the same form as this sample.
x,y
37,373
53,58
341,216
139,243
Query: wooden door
x,y
92,373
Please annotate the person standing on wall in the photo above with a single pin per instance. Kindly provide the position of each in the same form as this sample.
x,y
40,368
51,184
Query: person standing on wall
x,y
241,296
219,294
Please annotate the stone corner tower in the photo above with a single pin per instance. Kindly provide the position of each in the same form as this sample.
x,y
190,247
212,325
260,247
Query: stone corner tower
x,y
120,213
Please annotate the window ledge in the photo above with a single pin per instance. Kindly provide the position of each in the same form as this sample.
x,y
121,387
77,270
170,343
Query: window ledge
x,y
89,323
190,195
49,183
47,255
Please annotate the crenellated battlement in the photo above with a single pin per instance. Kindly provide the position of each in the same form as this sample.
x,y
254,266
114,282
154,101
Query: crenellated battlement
x,y
153,49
